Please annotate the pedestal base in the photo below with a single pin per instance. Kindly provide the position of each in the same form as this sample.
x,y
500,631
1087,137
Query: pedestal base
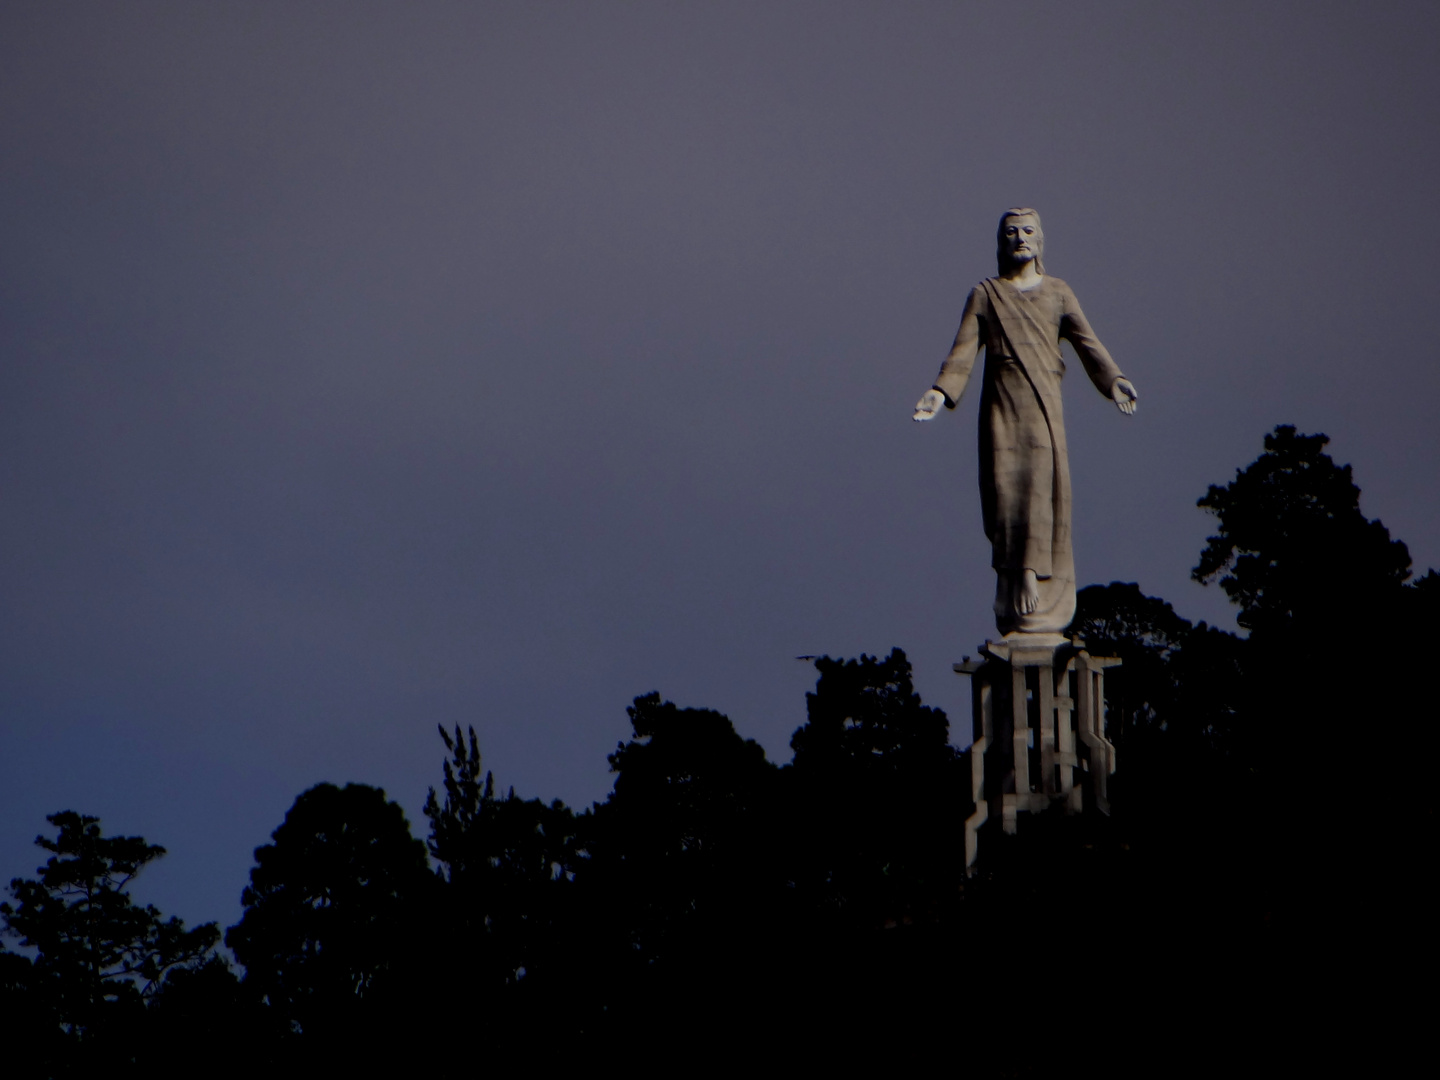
x,y
1038,705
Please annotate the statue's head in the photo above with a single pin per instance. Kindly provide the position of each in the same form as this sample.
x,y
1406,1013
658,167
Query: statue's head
x,y
1019,239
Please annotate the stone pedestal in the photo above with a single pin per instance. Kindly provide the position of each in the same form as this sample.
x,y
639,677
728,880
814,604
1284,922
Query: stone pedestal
x,y
1038,702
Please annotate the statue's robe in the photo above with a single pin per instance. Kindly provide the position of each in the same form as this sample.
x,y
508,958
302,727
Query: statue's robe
x,y
1024,467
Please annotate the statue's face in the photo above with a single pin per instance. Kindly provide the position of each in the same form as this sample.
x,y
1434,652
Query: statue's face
x,y
1021,236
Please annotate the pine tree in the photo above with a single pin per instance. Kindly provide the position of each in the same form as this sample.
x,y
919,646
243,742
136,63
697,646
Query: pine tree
x,y
99,955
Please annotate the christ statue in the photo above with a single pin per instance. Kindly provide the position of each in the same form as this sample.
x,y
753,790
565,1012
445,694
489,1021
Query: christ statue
x,y
1020,317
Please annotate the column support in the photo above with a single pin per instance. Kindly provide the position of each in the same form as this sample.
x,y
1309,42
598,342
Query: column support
x,y
1074,756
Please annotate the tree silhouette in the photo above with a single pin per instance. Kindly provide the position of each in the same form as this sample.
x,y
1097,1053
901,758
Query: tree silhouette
x,y
331,911
1179,710
38,1046
1324,592
876,795
865,715
1314,579
712,890
1181,686
508,865
98,955
489,845
678,845
684,782
1294,552
204,1006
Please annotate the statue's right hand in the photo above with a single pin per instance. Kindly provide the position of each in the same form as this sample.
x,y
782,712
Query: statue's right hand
x,y
928,405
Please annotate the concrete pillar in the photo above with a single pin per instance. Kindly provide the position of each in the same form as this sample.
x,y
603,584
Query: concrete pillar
x,y
1068,731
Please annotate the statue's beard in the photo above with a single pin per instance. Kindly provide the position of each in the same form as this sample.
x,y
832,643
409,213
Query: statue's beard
x,y
1009,263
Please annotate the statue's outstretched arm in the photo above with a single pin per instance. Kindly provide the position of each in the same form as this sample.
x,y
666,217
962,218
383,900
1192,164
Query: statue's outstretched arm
x,y
1099,364
955,371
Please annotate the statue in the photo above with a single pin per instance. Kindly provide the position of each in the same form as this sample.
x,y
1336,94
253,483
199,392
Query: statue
x,y
1020,317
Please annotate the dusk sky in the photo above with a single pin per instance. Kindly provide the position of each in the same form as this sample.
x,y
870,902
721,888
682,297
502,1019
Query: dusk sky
x,y
368,367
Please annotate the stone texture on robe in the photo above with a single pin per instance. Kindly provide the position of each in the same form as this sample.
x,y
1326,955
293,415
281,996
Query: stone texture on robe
x,y
1024,467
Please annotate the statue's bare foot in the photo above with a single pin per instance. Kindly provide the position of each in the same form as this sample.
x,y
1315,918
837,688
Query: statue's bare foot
x,y
1027,593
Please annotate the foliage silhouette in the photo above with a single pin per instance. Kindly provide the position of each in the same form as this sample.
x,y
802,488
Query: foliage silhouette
x,y
713,892
687,791
38,1045
1181,686
98,955
205,1006
864,715
97,952
876,795
680,857
1326,595
330,912
491,846
507,866
1294,552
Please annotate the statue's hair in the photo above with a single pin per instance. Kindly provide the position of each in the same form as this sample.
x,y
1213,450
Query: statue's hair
x,y
1019,211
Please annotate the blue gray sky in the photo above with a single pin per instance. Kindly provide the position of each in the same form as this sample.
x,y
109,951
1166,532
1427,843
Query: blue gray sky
x,y
367,367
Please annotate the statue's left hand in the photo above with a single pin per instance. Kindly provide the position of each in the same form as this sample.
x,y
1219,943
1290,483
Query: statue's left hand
x,y
929,404
1124,396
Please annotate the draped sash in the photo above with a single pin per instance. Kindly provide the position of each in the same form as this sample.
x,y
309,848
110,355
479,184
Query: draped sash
x,y
1027,336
